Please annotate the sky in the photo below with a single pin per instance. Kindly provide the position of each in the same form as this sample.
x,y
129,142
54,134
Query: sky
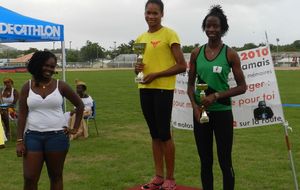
x,y
113,22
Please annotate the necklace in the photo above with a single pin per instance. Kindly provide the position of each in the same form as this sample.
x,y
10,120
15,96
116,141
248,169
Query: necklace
x,y
7,92
212,52
47,84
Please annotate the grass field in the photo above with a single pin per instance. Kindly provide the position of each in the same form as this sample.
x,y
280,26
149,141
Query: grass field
x,y
120,156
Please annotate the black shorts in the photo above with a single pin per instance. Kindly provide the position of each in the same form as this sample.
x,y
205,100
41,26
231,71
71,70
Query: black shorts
x,y
157,109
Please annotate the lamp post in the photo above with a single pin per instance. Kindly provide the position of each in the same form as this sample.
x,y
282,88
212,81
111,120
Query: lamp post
x,y
114,53
277,40
277,57
70,45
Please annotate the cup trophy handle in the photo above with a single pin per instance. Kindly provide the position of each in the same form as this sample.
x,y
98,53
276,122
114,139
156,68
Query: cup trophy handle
x,y
204,117
139,49
140,76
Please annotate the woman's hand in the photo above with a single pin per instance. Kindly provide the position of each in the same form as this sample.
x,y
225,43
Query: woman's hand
x,y
70,131
197,112
139,67
208,100
20,149
72,112
149,78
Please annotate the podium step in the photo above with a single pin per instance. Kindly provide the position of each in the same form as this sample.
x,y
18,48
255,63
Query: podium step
x,y
178,187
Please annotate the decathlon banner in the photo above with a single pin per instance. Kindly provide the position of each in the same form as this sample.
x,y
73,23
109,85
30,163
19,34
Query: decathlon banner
x,y
259,106
15,27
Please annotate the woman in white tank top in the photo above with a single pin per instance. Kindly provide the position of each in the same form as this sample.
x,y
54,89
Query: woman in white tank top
x,y
9,96
42,133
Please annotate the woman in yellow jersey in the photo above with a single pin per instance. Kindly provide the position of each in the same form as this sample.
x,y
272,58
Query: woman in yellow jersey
x,y
211,64
162,60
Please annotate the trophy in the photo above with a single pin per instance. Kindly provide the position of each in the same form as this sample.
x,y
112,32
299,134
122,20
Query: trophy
x,y
139,49
204,117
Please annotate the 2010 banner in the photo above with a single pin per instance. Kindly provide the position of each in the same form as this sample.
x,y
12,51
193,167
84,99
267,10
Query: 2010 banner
x,y
259,106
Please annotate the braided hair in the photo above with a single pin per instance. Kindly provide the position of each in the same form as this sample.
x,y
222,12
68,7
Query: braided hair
x,y
37,62
217,11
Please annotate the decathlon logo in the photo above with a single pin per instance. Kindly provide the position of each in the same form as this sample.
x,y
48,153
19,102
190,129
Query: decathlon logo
x,y
46,31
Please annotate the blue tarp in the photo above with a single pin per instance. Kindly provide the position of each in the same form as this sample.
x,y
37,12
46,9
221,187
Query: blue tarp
x,y
291,105
15,27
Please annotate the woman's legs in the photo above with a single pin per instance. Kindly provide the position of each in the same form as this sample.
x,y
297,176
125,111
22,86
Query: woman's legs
x,y
147,102
158,157
55,164
50,147
56,148
157,108
32,166
223,127
163,101
204,140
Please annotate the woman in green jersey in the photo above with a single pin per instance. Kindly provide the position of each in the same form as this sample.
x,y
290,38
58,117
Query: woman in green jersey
x,y
210,64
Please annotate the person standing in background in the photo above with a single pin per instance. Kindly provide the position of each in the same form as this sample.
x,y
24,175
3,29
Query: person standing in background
x,y
9,96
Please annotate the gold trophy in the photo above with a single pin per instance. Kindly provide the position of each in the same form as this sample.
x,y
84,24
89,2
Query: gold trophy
x,y
204,117
139,49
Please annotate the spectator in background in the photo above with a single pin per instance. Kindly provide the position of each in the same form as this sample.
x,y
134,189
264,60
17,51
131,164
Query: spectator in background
x,y
87,100
9,96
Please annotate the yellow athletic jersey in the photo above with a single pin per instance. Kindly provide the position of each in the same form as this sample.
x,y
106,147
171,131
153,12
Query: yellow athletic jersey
x,y
158,56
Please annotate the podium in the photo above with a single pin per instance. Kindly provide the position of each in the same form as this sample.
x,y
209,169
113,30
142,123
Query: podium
x,y
178,187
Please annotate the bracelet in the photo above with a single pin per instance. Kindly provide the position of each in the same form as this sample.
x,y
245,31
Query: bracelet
x,y
19,140
217,95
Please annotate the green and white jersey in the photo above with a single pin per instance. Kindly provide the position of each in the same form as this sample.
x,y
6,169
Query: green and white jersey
x,y
215,74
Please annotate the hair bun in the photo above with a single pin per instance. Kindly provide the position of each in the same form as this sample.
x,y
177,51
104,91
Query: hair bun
x,y
216,9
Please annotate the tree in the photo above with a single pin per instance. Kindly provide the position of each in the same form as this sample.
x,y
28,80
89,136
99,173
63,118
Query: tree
x,y
73,56
296,44
10,54
125,48
92,51
189,49
30,50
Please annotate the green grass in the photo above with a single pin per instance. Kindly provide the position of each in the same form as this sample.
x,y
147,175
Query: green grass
x,y
120,157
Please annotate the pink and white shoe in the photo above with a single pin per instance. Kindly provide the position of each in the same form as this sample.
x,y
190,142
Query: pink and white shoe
x,y
169,184
154,184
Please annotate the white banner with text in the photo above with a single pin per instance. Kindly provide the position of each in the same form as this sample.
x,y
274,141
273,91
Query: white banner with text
x,y
259,106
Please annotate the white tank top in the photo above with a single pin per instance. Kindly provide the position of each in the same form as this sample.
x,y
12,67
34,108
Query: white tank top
x,y
8,100
45,114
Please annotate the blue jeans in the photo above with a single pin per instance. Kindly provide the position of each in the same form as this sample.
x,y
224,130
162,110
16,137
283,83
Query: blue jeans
x,y
50,141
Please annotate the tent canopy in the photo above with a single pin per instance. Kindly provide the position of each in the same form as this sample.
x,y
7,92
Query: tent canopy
x,y
15,27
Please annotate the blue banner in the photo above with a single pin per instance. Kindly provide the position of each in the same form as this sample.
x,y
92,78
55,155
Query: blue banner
x,y
15,27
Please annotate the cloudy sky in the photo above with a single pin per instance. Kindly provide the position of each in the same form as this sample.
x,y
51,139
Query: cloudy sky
x,y
109,21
